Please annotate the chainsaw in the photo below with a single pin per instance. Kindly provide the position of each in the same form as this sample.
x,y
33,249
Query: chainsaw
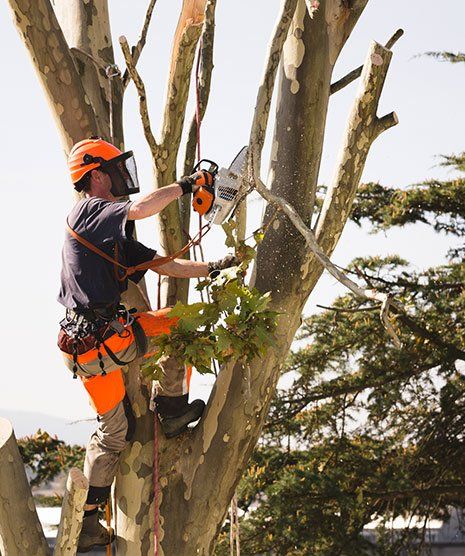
x,y
217,201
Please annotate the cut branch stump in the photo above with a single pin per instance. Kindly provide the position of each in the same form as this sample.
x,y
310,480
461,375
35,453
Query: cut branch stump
x,y
71,513
20,530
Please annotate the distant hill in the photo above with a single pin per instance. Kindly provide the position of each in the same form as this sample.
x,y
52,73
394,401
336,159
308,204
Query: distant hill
x,y
26,423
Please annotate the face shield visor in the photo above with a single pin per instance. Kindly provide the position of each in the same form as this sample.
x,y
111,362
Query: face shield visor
x,y
123,174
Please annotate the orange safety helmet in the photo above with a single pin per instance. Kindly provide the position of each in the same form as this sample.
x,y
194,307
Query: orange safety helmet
x,y
95,148
89,154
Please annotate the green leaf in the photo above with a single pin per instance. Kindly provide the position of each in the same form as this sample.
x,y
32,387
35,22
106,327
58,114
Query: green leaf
x,y
230,229
259,236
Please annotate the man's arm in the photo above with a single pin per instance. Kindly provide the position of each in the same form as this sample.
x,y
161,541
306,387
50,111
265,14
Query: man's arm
x,y
182,268
154,202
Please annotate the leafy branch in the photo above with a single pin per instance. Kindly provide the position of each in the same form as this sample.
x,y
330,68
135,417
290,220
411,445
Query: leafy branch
x,y
236,323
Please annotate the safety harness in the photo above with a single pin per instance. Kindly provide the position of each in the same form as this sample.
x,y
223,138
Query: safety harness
x,y
90,328
81,331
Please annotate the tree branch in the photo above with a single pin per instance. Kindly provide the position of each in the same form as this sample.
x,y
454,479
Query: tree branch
x,y
362,125
41,33
312,244
438,490
205,75
356,73
435,338
72,513
185,41
137,50
143,108
171,232
265,91
347,309
351,384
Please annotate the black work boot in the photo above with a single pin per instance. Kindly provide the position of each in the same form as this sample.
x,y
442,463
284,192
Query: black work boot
x,y
93,534
175,413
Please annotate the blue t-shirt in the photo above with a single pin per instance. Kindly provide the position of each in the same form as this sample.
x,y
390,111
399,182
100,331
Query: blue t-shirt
x,y
88,281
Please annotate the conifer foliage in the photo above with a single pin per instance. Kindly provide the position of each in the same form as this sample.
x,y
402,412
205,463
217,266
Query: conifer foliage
x,y
367,431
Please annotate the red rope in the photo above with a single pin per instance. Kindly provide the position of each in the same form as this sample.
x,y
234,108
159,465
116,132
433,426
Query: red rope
x,y
159,293
197,116
200,235
108,520
155,480
197,98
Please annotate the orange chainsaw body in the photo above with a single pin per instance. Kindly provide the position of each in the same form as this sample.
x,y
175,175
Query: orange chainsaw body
x,y
203,199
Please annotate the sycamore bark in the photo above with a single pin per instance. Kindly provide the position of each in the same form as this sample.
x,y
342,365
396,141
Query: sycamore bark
x,y
71,514
20,528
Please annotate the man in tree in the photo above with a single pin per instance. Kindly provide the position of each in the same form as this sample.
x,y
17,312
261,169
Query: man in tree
x,y
98,335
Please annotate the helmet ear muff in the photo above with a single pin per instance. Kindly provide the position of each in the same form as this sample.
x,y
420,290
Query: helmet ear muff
x,y
89,159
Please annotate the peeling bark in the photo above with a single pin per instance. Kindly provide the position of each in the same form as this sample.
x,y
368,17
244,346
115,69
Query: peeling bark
x,y
71,514
41,33
363,127
20,528
310,53
86,27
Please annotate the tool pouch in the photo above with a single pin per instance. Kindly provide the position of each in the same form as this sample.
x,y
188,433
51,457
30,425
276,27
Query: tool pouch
x,y
140,338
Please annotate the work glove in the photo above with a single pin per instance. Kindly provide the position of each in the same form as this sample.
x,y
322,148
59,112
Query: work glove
x,y
191,183
215,267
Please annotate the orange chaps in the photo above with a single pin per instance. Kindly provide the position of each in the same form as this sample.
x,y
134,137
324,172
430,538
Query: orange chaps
x,y
106,391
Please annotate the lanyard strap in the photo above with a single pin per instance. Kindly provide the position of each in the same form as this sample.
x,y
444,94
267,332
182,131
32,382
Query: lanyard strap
x,y
149,265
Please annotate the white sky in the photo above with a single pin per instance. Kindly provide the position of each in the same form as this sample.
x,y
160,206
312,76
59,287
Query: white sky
x,y
427,96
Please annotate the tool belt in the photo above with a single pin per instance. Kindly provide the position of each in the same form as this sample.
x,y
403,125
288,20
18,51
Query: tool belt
x,y
83,330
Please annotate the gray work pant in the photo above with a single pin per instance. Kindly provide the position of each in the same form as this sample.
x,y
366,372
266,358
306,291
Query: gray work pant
x,y
117,426
108,396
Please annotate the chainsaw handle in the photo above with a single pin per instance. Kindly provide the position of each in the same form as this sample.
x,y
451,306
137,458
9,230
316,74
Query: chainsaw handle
x,y
213,168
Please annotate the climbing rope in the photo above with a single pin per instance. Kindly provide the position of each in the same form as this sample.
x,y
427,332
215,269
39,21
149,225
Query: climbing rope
x,y
155,481
108,519
115,514
198,119
194,243
156,516
111,71
234,538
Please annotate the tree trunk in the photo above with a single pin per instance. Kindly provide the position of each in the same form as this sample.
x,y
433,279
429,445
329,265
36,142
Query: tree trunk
x,y
20,528
86,28
309,56
72,513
